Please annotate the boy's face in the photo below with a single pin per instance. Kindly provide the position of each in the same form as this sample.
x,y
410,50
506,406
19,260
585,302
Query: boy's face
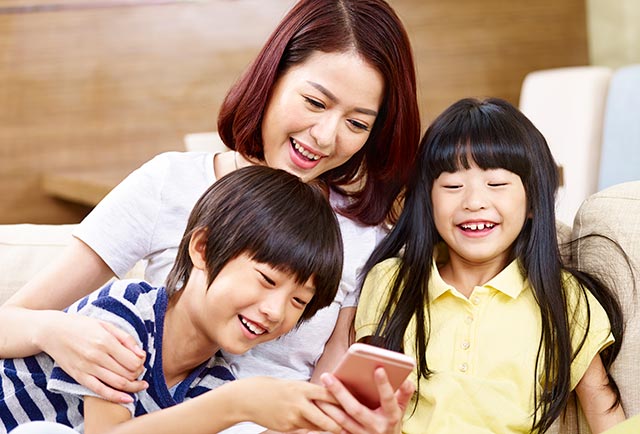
x,y
479,214
249,303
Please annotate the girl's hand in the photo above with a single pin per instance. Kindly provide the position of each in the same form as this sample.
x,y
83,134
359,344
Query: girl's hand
x,y
96,354
284,405
356,418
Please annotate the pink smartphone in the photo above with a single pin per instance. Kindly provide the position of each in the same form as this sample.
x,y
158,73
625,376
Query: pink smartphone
x,y
356,368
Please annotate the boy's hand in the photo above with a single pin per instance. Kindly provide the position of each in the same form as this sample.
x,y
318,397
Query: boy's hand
x,y
285,405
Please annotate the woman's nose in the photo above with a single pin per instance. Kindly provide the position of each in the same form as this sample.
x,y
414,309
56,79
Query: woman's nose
x,y
325,130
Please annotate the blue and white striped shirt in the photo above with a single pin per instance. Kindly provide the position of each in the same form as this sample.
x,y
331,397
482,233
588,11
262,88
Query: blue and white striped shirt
x,y
35,388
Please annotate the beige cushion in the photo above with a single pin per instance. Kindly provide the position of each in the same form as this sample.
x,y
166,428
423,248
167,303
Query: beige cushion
x,y
607,226
614,213
25,249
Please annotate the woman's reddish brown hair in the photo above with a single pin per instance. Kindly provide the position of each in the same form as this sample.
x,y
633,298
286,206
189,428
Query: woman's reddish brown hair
x,y
373,30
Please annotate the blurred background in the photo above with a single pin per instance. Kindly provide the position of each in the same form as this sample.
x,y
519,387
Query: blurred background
x,y
89,90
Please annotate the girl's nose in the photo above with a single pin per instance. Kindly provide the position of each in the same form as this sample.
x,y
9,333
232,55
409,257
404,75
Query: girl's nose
x,y
325,130
475,199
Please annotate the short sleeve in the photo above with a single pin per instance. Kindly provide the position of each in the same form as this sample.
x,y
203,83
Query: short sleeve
x,y
585,315
374,297
119,303
120,228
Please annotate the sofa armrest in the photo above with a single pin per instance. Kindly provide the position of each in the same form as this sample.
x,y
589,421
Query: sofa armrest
x,y
25,249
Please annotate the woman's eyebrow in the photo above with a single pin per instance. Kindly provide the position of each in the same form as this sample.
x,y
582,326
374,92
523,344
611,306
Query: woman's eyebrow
x,y
335,99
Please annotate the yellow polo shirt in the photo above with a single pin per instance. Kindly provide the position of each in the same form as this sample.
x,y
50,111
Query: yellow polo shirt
x,y
482,350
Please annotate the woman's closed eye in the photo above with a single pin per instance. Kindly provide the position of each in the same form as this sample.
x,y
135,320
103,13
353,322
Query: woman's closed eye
x,y
357,125
314,103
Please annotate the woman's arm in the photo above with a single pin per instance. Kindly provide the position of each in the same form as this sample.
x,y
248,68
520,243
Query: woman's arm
x,y
277,404
337,344
596,398
92,352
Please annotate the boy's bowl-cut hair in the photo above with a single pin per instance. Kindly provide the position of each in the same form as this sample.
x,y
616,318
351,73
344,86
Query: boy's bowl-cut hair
x,y
273,217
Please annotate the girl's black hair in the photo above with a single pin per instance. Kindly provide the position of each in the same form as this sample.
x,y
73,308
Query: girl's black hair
x,y
276,219
491,134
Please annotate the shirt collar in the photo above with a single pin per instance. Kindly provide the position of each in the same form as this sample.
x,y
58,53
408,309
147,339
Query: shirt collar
x,y
509,281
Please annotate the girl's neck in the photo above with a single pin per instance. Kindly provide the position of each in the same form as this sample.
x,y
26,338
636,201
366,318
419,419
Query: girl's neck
x,y
183,348
465,276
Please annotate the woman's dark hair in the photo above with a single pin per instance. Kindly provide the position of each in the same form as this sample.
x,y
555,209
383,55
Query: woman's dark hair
x,y
371,29
491,134
273,217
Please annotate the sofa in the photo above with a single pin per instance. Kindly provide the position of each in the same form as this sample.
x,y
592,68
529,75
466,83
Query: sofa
x,y
607,227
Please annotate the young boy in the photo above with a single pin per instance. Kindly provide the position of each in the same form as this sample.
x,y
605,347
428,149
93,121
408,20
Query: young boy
x,y
261,252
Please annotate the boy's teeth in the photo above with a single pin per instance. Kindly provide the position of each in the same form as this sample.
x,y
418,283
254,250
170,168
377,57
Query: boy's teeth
x,y
304,152
253,328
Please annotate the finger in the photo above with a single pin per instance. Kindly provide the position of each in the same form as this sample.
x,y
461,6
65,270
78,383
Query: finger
x,y
128,353
321,420
404,394
97,359
116,381
337,414
388,400
105,391
337,389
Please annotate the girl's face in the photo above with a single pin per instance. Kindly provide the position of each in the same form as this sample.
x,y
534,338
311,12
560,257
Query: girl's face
x,y
479,214
247,303
320,113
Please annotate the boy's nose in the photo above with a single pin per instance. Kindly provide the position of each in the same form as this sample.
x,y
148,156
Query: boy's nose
x,y
273,308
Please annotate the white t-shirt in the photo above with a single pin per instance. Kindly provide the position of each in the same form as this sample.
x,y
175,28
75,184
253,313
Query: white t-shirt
x,y
145,216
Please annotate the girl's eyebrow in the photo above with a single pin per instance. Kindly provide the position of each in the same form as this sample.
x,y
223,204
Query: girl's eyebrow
x,y
335,99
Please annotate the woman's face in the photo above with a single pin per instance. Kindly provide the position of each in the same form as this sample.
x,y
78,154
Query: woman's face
x,y
320,113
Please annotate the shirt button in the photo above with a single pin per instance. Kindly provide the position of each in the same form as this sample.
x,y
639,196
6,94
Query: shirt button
x,y
468,319
463,367
475,300
465,345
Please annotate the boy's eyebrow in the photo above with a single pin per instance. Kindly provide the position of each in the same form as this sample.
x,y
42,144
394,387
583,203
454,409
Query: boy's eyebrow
x,y
335,99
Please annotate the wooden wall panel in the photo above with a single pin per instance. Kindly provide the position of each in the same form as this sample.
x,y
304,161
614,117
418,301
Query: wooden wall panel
x,y
101,84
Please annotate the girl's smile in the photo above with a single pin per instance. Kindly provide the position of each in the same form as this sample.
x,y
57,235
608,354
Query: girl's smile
x,y
479,214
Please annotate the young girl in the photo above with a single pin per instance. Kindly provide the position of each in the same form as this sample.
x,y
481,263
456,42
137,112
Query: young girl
x,y
262,252
476,291
332,90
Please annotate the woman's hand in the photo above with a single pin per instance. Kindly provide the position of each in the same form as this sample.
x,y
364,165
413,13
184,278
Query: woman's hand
x,y
96,354
356,418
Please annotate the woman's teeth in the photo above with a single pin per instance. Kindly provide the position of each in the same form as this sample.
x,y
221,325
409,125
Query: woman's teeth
x,y
304,152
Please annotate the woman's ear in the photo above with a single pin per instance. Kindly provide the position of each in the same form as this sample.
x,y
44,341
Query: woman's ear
x,y
198,247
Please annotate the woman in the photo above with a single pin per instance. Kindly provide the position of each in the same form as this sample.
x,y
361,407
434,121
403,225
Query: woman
x,y
331,96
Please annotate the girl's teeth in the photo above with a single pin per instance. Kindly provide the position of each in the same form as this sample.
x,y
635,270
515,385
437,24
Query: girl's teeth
x,y
478,226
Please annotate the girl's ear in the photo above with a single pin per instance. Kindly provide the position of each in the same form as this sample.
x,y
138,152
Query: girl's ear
x,y
197,248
